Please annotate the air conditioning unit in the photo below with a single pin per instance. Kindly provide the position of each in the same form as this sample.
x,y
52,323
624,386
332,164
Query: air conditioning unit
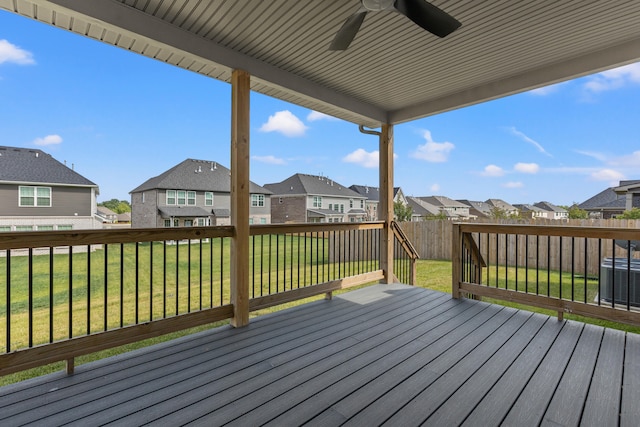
x,y
617,275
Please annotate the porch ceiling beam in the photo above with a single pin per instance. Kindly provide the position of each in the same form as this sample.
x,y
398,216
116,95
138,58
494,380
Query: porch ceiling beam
x,y
617,55
156,31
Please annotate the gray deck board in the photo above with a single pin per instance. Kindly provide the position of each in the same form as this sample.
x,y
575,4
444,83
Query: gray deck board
x,y
384,354
630,408
602,407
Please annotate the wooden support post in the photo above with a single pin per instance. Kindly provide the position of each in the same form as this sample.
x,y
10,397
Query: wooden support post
x,y
385,211
456,261
240,92
70,366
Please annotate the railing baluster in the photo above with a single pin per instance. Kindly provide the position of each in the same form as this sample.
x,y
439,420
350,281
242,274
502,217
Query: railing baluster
x,y
51,291
70,291
105,320
164,279
8,285
89,290
30,291
121,284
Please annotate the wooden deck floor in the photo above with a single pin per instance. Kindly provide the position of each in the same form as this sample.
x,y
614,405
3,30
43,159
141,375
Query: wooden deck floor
x,y
385,355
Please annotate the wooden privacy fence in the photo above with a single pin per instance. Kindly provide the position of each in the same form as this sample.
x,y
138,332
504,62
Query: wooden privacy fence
x,y
432,240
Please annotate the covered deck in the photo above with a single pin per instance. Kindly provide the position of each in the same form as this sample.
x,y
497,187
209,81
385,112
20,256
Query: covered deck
x,y
381,355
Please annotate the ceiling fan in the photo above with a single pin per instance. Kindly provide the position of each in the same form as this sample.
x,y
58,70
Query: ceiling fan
x,y
422,13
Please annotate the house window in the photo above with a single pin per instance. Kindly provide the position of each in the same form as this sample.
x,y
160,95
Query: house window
x,y
280,200
250,220
341,208
24,228
201,222
4,228
350,203
44,227
188,223
257,200
263,220
176,223
336,207
361,204
167,223
317,201
171,197
65,227
143,197
191,198
330,206
208,199
35,196
182,197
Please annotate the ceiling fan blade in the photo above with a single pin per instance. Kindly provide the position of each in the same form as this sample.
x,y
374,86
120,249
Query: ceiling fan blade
x,y
428,16
348,31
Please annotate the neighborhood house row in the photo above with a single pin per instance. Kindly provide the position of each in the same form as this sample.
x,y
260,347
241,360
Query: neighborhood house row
x,y
41,193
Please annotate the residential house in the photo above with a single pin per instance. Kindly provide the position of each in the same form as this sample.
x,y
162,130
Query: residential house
x,y
107,215
373,199
532,212
37,192
421,210
452,209
477,208
193,193
553,211
613,201
499,206
312,198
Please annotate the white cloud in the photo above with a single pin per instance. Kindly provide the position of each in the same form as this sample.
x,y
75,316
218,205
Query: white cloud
x,y
435,188
492,170
525,138
286,123
629,160
435,152
48,140
614,79
316,115
513,184
363,158
594,154
272,160
12,53
531,168
609,175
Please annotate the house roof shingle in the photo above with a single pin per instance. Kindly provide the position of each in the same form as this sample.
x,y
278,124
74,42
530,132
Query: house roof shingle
x,y
29,165
195,175
303,184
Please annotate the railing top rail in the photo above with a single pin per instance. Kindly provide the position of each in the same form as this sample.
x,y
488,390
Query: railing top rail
x,y
404,240
38,239
314,227
553,230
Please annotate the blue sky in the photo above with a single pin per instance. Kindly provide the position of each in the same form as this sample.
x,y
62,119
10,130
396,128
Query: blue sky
x,y
121,118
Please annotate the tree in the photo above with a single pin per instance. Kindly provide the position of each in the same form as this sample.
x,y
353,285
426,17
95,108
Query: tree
x,y
634,213
498,213
118,206
402,212
576,213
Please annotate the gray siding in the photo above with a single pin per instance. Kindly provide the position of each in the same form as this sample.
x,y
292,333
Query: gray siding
x,y
66,201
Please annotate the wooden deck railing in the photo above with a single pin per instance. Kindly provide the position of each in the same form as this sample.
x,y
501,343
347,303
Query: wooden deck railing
x,y
64,294
588,271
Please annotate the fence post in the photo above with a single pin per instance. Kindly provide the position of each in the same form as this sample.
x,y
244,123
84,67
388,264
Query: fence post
x,y
456,260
